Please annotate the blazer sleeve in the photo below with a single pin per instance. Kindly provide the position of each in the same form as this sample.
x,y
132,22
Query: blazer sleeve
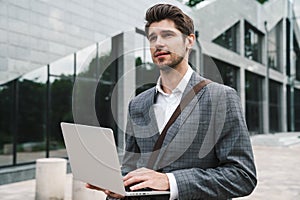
x,y
235,174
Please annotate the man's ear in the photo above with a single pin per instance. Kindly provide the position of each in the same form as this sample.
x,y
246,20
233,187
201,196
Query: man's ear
x,y
190,39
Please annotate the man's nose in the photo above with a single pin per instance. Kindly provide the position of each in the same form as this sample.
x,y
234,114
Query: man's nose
x,y
159,43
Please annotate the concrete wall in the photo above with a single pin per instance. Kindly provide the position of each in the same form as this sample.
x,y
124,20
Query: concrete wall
x,y
34,33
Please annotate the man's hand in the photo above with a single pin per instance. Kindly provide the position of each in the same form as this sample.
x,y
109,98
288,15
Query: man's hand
x,y
146,178
107,192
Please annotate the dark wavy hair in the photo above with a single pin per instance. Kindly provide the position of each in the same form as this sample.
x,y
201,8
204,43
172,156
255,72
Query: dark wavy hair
x,y
160,12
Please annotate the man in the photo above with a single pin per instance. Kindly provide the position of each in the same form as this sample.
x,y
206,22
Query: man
x,y
206,153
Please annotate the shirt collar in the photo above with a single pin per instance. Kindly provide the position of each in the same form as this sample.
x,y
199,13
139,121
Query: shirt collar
x,y
181,86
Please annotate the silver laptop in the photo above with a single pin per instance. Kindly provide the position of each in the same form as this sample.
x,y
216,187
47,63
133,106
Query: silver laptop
x,y
94,159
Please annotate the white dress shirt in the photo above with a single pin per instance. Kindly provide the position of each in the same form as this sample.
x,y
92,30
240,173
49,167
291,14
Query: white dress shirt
x,y
164,108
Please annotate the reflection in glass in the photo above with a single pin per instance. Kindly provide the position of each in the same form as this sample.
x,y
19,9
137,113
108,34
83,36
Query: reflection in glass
x,y
31,116
287,46
6,123
274,49
84,89
64,66
275,106
211,70
83,58
96,78
253,43
228,73
288,106
297,52
60,111
88,74
254,103
297,109
105,103
229,38
146,72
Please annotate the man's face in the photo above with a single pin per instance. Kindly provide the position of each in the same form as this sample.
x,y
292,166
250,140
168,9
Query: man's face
x,y
167,44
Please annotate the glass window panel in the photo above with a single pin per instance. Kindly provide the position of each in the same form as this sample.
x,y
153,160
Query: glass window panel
x,y
83,101
89,69
229,39
60,111
7,121
110,58
254,103
211,70
146,72
85,57
31,116
288,67
275,106
64,66
253,43
297,109
105,103
228,73
95,82
288,105
274,50
60,98
297,61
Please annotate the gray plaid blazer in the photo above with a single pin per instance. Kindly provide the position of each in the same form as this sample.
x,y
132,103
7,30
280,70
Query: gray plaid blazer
x,y
207,148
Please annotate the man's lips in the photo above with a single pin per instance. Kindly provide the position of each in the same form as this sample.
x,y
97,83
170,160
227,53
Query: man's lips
x,y
161,53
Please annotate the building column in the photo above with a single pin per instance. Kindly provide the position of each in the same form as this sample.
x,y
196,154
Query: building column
x,y
292,64
242,87
266,101
242,78
283,65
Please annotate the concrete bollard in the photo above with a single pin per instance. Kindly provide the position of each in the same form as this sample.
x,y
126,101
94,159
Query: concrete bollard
x,y
50,178
80,192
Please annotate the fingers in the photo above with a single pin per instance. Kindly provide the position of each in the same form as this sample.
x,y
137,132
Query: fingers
x,y
139,186
107,192
137,176
146,178
114,195
137,172
87,185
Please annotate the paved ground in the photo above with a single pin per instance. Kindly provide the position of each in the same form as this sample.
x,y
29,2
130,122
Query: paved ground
x,y
278,171
277,159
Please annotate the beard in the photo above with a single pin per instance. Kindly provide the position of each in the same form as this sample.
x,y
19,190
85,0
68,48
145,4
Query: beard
x,y
171,65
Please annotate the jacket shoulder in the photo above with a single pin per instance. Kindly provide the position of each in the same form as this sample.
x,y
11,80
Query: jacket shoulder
x,y
143,99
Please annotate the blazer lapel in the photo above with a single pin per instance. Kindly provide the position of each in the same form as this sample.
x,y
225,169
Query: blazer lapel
x,y
149,116
173,130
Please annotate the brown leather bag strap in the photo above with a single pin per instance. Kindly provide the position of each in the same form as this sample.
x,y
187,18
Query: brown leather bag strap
x,y
184,102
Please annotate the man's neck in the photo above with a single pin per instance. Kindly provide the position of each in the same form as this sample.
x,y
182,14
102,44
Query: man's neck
x,y
171,78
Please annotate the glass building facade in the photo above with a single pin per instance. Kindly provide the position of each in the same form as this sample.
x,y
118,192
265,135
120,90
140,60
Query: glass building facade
x,y
33,106
275,104
146,72
297,59
254,102
229,73
229,39
274,47
253,43
297,109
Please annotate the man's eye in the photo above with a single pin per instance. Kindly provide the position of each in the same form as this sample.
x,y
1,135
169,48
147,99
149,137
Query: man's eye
x,y
152,39
167,35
